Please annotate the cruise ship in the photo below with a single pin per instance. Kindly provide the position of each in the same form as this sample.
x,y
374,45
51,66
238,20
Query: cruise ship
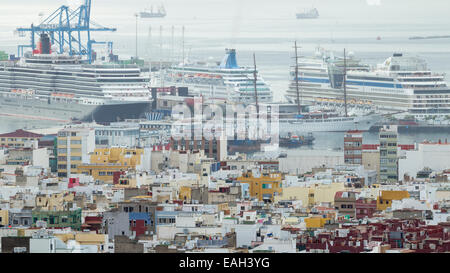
x,y
60,87
226,81
400,84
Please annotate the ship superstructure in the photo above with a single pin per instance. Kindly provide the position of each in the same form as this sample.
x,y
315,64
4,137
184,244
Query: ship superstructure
x,y
226,81
400,83
58,86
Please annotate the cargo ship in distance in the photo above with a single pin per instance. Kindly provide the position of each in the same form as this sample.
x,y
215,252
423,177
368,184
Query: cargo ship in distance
x,y
51,86
308,14
159,13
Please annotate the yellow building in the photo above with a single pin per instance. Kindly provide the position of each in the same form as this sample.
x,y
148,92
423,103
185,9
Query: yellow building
x,y
92,238
265,187
384,200
4,220
18,138
316,222
74,145
54,201
185,193
85,238
105,161
312,195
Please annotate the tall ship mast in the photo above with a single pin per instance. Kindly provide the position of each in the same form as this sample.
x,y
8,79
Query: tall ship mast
x,y
48,85
299,106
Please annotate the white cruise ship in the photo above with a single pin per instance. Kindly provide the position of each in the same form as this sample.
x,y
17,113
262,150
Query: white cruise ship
x,y
228,81
52,86
401,83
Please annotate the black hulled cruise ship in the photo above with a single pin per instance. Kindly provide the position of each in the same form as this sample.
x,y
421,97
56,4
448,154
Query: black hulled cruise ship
x,y
60,87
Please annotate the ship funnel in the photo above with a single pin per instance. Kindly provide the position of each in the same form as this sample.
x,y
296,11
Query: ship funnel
x,y
229,61
45,45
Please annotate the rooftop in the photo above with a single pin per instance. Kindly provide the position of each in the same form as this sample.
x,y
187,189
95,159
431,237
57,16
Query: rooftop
x,y
21,133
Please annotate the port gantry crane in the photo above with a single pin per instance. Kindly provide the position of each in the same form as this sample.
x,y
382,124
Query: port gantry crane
x,y
67,28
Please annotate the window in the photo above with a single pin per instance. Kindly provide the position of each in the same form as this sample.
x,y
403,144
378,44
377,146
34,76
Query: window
x,y
62,142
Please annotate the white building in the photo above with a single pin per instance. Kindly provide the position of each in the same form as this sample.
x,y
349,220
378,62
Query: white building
x,y
435,156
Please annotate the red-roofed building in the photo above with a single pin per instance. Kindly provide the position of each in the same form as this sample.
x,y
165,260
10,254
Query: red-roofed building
x,y
344,202
18,138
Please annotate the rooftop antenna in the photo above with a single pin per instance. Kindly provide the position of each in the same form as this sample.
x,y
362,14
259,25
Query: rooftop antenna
x,y
345,84
299,107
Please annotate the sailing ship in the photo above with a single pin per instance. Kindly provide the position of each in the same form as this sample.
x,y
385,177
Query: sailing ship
x,y
324,121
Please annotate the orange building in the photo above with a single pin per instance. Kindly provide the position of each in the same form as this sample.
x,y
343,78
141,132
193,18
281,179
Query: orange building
x,y
264,187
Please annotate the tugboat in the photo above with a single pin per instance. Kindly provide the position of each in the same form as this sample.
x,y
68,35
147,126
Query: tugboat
x,y
293,141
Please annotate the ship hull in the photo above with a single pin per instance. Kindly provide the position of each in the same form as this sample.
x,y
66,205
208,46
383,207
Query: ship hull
x,y
363,123
64,112
302,16
151,15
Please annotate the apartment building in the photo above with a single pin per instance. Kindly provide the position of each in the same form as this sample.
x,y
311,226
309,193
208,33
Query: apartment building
x,y
74,144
